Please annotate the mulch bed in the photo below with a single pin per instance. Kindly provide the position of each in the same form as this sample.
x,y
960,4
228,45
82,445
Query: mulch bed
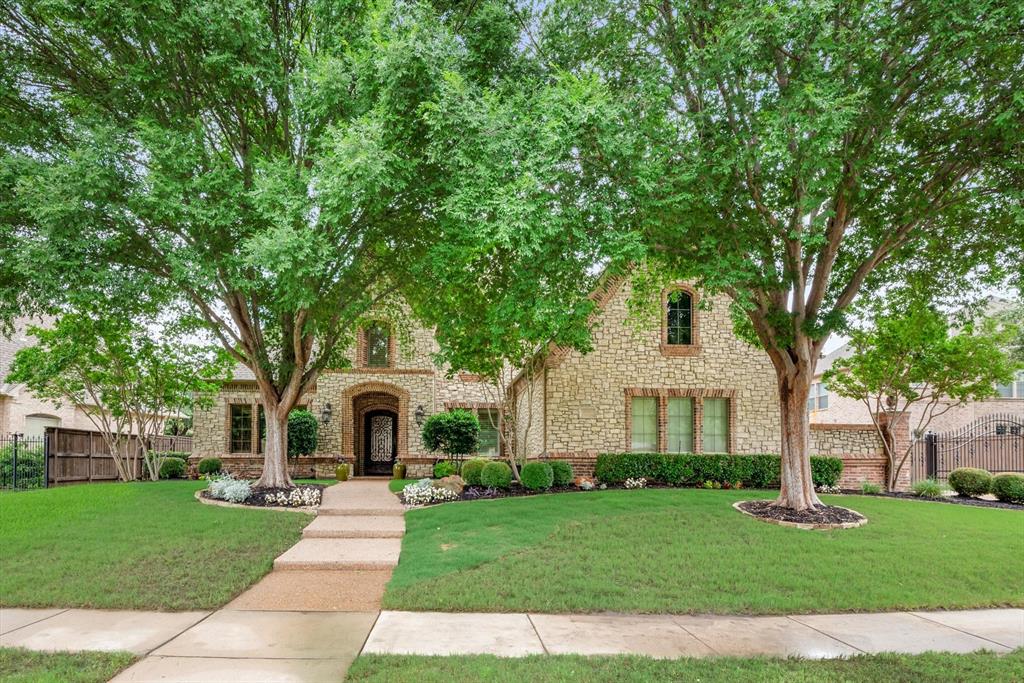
x,y
955,500
262,497
826,514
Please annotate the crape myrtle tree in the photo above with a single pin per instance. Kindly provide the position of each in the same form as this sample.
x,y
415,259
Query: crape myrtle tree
x,y
263,163
798,155
909,360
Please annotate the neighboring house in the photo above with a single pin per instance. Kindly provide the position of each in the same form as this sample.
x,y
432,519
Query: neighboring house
x,y
20,411
687,385
829,408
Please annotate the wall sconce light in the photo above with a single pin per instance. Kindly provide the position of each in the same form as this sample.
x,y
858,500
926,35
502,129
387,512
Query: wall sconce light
x,y
325,413
420,415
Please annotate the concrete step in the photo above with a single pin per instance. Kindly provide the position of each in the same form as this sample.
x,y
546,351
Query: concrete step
x,y
353,526
341,553
360,512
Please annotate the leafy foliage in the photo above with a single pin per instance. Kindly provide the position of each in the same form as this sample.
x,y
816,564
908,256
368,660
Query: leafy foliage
x,y
443,469
302,432
173,468
561,471
927,488
472,469
1009,487
453,432
209,466
970,481
496,474
537,475
690,469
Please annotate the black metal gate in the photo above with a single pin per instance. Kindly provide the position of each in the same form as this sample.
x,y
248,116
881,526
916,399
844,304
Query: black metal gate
x,y
994,443
23,462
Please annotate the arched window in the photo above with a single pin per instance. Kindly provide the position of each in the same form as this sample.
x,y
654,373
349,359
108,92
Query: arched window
x,y
679,322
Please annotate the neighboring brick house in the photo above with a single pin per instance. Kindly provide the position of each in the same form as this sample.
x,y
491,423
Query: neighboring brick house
x,y
20,411
827,407
687,385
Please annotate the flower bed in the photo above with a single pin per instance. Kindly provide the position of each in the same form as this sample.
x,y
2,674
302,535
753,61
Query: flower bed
x,y
240,492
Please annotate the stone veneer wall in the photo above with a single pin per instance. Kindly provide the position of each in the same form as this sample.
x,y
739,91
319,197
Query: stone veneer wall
x,y
860,448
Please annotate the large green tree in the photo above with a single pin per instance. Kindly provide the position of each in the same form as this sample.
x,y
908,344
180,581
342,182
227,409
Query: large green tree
x,y
262,165
799,155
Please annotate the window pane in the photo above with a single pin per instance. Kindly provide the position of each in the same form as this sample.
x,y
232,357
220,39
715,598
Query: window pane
x,y
241,428
680,319
822,397
261,426
716,425
378,343
645,424
488,431
810,403
680,425
1005,390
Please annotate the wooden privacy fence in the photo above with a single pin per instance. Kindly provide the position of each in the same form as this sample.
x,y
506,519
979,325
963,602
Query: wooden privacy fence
x,y
994,443
80,455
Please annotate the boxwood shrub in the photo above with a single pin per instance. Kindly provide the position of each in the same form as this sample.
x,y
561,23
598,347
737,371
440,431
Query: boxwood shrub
x,y
496,475
690,469
562,472
472,469
970,481
537,475
1009,487
209,466
172,468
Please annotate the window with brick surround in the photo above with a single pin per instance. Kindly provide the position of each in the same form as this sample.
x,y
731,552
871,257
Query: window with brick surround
x,y
241,428
679,322
488,418
378,346
680,425
645,423
715,429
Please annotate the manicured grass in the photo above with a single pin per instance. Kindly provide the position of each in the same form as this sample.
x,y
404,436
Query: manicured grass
x,y
396,485
25,666
146,545
925,668
689,551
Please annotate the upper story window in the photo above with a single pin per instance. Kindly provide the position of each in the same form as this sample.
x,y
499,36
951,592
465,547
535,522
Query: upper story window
x,y
679,324
377,340
1014,389
818,398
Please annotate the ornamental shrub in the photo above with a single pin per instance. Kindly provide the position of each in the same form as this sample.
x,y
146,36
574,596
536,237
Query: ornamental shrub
x,y
825,471
1009,487
537,475
230,489
172,468
496,475
209,466
765,472
302,431
472,469
693,469
455,433
443,469
927,488
562,472
870,489
970,481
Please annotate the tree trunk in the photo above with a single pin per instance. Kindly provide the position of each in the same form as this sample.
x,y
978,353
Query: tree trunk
x,y
275,451
796,489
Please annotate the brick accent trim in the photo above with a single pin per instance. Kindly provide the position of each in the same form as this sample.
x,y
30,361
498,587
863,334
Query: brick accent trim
x,y
470,405
362,353
693,348
698,396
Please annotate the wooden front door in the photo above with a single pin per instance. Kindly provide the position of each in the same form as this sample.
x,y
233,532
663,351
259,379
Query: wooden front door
x,y
380,441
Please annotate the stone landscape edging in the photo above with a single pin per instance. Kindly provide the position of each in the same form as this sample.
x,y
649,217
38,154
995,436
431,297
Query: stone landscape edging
x,y
309,510
806,526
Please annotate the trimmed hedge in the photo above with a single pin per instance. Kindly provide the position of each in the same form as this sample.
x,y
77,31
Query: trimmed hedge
x,y
472,469
562,472
209,466
537,475
689,469
172,468
970,481
496,475
1009,487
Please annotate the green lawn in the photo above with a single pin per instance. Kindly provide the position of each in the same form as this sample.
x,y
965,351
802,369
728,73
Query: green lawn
x,y
396,485
927,668
147,545
689,551
25,666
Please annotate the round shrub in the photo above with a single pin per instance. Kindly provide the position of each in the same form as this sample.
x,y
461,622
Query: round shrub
x,y
443,469
1009,487
472,469
456,432
970,481
302,429
537,475
496,475
172,468
209,466
562,472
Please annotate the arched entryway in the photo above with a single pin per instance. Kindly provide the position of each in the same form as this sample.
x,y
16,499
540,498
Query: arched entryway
x,y
375,426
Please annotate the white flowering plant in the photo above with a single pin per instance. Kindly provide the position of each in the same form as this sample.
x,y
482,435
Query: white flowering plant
x,y
303,496
825,488
226,487
637,483
424,492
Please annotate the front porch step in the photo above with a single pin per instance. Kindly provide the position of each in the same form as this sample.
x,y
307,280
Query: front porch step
x,y
341,553
360,512
353,526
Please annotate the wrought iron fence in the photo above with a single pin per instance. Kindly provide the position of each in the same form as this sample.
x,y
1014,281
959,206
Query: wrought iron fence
x,y
994,443
23,462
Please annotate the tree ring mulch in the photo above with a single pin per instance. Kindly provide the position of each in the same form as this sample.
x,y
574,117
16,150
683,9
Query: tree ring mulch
x,y
823,517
